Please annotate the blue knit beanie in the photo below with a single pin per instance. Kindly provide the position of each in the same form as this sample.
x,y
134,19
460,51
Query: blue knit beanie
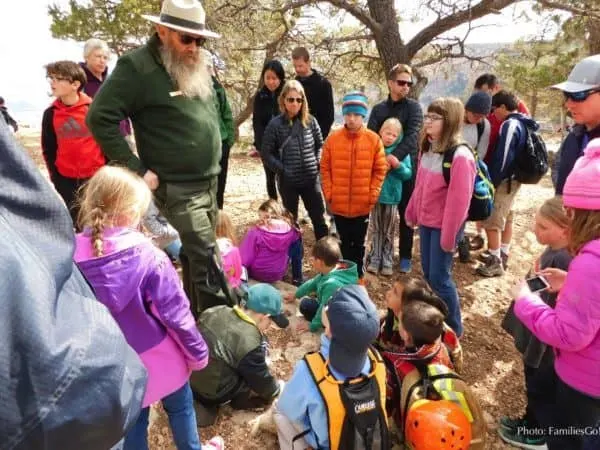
x,y
355,102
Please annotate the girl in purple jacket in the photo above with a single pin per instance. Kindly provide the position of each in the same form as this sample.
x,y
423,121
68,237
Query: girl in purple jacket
x,y
268,245
572,328
141,289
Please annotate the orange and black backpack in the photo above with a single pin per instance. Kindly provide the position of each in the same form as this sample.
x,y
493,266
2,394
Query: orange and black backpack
x,y
356,417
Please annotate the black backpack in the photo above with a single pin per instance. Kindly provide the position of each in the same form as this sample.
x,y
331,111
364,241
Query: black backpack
x,y
482,200
359,401
531,162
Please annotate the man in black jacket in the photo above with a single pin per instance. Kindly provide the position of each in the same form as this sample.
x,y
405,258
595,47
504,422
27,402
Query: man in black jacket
x,y
317,89
409,113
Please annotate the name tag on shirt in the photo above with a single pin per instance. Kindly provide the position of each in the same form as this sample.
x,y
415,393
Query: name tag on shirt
x,y
175,93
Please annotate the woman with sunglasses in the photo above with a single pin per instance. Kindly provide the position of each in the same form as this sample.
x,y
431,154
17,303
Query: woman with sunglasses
x,y
266,106
291,148
440,209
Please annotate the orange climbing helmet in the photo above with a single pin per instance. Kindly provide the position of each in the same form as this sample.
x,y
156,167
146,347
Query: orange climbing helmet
x,y
437,425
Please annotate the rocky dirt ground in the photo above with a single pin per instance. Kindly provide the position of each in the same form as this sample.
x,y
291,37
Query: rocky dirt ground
x,y
492,366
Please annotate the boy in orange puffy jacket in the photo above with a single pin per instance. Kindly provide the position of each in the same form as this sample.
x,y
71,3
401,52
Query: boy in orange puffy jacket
x,y
353,167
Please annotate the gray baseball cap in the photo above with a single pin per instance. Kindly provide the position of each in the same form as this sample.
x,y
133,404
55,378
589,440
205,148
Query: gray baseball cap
x,y
585,76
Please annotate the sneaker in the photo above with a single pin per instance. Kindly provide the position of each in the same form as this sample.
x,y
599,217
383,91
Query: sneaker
x,y
405,265
253,153
477,242
387,271
493,268
464,251
512,424
373,268
522,440
216,443
485,258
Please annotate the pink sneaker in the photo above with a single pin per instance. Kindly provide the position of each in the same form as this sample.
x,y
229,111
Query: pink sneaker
x,y
253,153
216,443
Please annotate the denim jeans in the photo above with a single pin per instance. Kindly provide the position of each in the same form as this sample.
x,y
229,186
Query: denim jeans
x,y
309,307
437,268
179,407
296,252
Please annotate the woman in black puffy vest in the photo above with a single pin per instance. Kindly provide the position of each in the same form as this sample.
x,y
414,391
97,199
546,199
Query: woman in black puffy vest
x,y
291,147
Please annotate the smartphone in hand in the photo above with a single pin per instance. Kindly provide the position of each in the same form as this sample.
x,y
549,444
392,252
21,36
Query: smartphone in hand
x,y
537,283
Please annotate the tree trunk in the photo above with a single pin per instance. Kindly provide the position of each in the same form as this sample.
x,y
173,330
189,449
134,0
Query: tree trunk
x,y
593,28
533,103
392,50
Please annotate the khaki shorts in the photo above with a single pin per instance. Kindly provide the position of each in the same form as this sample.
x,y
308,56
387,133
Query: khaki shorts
x,y
503,203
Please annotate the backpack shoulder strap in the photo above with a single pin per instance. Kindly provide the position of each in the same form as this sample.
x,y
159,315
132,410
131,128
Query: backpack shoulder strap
x,y
447,163
480,130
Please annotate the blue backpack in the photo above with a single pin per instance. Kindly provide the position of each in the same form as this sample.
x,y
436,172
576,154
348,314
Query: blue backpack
x,y
482,201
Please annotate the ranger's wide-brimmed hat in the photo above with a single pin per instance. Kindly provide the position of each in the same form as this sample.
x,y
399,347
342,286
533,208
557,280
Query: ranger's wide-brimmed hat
x,y
187,16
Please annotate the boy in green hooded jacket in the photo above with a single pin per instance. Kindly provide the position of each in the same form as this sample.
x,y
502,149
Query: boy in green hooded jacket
x,y
333,273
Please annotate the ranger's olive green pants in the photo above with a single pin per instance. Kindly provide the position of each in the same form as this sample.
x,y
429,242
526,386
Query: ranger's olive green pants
x,y
191,208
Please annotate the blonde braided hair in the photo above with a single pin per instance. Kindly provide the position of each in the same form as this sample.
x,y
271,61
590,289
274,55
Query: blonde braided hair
x,y
114,196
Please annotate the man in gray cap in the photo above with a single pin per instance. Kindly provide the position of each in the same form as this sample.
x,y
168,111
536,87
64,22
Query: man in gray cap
x,y
582,99
166,90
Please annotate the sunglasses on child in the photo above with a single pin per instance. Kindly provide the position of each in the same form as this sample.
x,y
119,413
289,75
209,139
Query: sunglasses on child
x,y
579,96
294,99
186,39
403,83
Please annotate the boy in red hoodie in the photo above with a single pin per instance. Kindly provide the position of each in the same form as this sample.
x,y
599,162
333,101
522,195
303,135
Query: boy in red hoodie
x,y
71,153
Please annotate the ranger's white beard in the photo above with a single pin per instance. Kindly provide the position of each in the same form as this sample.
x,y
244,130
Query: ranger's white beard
x,y
191,80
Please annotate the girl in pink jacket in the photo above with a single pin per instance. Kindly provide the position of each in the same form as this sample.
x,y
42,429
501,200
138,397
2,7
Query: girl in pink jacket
x,y
573,327
440,209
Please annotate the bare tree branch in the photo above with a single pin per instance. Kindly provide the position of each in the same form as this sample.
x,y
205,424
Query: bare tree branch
x,y
595,13
358,13
451,21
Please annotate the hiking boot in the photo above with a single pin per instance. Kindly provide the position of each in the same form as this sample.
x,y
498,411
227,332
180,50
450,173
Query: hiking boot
x,y
513,424
387,271
521,439
405,265
492,268
486,256
477,242
216,443
373,268
206,416
464,251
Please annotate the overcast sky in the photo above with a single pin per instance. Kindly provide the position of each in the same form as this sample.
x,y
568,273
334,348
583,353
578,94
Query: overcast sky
x,y
26,45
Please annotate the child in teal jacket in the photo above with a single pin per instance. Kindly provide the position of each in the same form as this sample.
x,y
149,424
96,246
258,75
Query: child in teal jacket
x,y
383,221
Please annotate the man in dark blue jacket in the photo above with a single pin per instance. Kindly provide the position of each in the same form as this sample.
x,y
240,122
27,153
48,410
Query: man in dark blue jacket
x,y
69,380
410,115
582,99
512,139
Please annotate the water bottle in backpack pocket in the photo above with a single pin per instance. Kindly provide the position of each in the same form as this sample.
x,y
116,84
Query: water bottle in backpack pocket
x,y
482,200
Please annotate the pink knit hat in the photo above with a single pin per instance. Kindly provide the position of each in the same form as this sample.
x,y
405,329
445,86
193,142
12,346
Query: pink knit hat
x,y
582,188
